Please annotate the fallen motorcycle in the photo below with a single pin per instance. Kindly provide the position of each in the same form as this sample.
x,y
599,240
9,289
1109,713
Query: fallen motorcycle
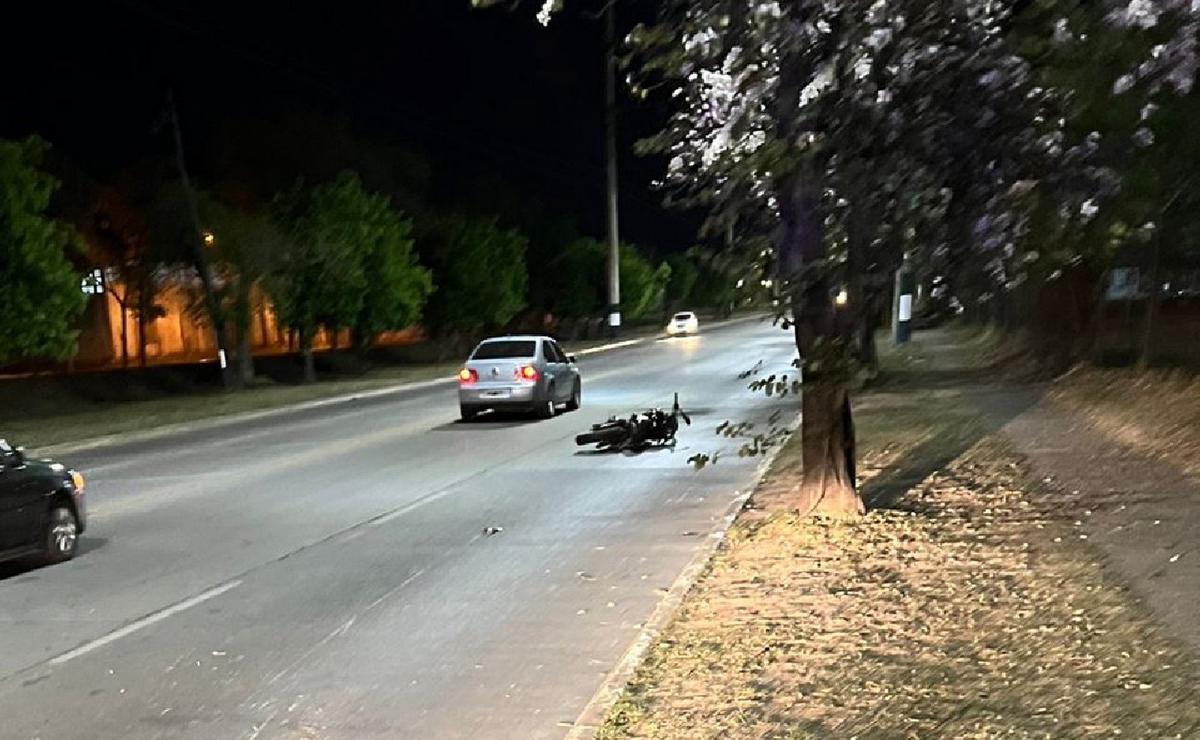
x,y
651,428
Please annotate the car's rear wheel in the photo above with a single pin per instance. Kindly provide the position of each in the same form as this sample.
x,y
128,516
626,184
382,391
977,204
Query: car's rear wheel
x,y
545,410
62,535
468,413
576,397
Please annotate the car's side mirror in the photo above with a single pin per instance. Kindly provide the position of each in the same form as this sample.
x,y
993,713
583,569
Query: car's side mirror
x,y
571,359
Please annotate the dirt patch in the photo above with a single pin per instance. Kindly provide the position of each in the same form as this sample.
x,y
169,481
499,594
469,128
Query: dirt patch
x,y
968,604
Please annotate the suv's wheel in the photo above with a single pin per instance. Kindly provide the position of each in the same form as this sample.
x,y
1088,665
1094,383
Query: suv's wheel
x,y
576,397
62,535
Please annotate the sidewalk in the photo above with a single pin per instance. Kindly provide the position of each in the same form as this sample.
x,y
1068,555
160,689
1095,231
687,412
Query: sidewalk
x,y
984,594
1144,513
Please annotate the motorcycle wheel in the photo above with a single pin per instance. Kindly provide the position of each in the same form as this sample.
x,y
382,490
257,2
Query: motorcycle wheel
x,y
610,436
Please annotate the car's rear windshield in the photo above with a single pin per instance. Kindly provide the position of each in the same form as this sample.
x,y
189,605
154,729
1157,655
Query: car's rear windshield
x,y
682,316
504,349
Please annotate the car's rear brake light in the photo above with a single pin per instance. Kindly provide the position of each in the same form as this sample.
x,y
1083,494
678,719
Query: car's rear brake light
x,y
527,372
467,376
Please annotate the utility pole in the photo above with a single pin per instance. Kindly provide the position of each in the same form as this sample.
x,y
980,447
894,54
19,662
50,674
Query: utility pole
x,y
610,114
902,306
199,246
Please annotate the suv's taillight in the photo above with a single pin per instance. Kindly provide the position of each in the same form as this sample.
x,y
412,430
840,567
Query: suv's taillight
x,y
467,376
527,372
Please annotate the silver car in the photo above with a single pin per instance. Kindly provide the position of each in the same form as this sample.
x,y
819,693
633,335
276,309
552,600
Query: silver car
x,y
527,373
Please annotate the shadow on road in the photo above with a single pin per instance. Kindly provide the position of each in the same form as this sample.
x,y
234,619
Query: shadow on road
x,y
613,451
488,421
30,566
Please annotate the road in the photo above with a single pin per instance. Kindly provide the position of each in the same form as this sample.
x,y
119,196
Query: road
x,y
325,573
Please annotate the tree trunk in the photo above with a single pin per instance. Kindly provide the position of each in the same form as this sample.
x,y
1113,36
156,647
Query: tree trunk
x,y
827,426
124,335
360,348
1153,301
245,360
306,353
827,432
868,353
829,482
212,304
1100,323
141,326
245,370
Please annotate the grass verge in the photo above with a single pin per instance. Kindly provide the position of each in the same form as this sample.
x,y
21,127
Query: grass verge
x,y
966,604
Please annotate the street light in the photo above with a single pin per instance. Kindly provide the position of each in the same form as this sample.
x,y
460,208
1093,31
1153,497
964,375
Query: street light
x,y
209,239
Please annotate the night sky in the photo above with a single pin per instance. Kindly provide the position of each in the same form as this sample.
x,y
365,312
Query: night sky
x,y
490,99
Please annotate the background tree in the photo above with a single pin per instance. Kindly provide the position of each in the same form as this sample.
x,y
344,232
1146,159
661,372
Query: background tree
x,y
114,219
397,286
347,261
480,272
1127,71
40,295
320,279
643,283
246,249
576,290
682,282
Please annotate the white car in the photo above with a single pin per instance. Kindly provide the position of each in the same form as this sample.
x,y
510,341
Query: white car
x,y
684,322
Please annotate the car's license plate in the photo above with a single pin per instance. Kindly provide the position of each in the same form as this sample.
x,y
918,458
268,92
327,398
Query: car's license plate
x,y
495,394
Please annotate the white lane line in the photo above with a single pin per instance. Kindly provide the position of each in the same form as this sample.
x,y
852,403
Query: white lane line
x,y
416,574
411,506
142,623
614,345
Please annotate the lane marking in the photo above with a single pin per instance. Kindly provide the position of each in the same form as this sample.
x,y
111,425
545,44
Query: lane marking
x,y
392,591
614,345
142,623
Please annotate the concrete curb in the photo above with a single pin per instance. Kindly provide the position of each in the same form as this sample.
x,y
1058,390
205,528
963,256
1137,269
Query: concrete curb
x,y
596,711
231,419
69,448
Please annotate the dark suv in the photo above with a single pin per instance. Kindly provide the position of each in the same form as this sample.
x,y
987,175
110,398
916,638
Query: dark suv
x,y
42,508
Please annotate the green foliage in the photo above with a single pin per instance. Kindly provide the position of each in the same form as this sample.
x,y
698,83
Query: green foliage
x,y
40,296
348,261
642,283
715,286
685,273
577,289
397,286
246,248
480,272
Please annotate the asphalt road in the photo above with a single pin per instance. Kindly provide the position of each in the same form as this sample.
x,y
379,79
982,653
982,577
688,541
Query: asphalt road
x,y
326,573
